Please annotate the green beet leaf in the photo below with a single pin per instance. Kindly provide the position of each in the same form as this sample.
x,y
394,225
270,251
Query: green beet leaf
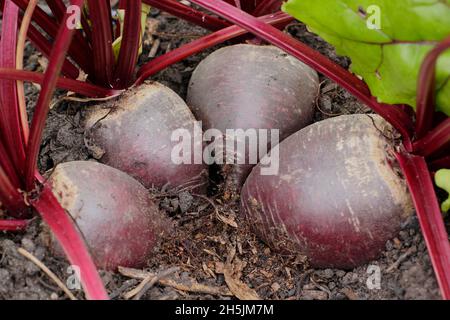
x,y
386,40
442,179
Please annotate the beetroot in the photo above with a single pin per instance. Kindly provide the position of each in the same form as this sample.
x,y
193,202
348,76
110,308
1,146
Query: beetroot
x,y
134,135
338,196
252,87
119,222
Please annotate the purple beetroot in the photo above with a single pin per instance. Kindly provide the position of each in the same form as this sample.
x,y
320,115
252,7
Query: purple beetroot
x,y
338,195
252,87
114,213
134,135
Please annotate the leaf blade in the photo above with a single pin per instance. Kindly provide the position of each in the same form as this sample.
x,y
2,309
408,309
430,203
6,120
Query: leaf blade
x,y
409,30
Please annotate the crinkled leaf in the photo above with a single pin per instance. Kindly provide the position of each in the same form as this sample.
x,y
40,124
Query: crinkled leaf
x,y
442,179
388,59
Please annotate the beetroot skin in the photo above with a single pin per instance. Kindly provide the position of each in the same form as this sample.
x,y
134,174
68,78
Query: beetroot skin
x,y
337,197
119,222
134,135
252,87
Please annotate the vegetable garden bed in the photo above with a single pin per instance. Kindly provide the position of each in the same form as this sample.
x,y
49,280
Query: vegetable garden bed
x,y
212,246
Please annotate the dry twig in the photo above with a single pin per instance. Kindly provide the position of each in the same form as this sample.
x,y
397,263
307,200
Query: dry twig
x,y
47,271
193,287
148,283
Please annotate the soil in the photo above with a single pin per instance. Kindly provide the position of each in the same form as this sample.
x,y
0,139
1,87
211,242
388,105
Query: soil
x,y
211,246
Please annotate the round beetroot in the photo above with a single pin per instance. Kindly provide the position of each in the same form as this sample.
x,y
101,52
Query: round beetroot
x,y
134,135
252,87
338,196
119,222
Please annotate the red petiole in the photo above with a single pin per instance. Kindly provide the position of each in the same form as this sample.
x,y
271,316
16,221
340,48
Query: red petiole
x,y
13,225
196,46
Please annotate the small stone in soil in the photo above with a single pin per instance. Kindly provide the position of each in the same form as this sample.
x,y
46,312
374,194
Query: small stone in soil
x,y
185,201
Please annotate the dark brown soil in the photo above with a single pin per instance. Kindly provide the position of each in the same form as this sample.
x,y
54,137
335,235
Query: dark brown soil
x,y
205,242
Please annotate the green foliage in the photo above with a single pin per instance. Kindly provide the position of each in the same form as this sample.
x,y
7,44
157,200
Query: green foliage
x,y
121,16
387,41
442,179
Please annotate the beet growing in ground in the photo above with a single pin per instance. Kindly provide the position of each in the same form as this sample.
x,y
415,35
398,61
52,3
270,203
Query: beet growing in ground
x,y
212,249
